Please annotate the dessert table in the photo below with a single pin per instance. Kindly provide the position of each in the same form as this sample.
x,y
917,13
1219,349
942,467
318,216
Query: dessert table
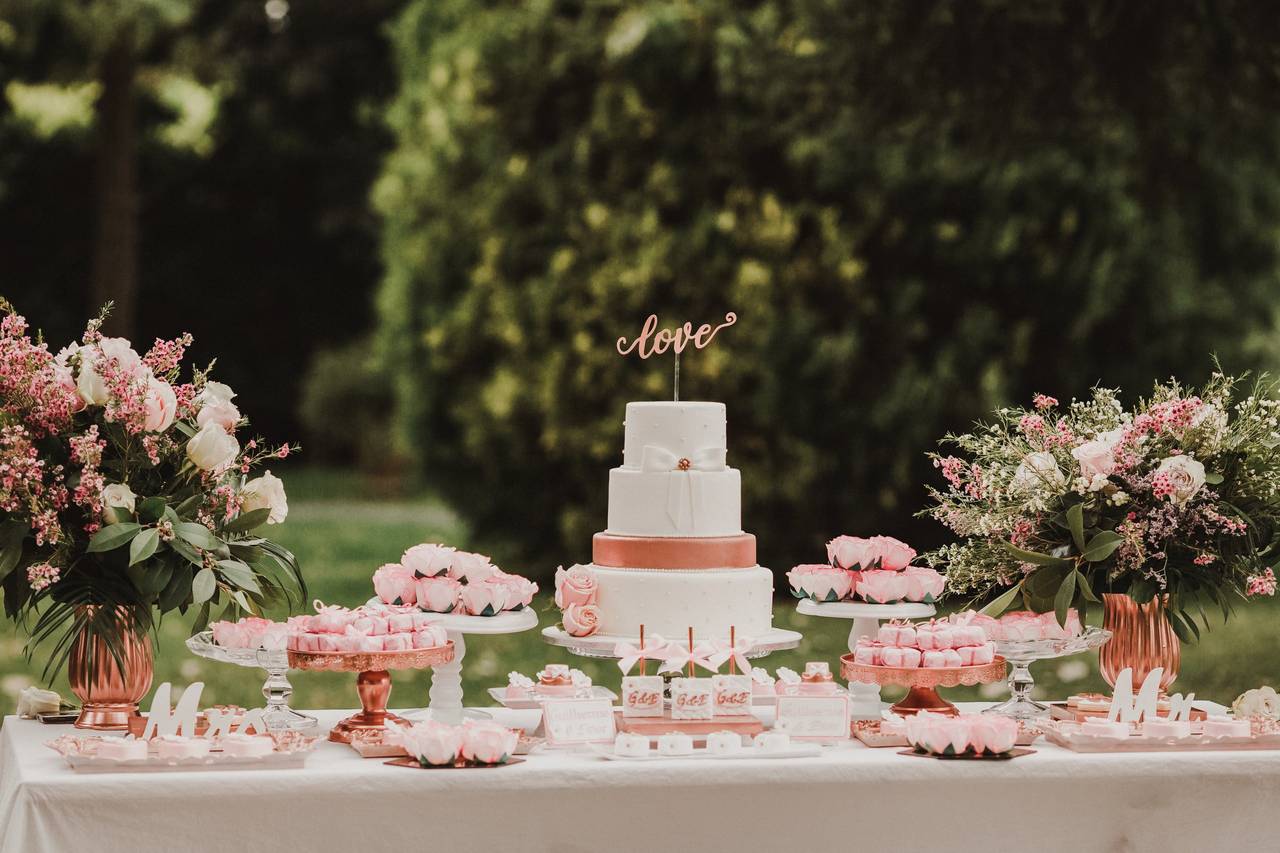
x,y
849,798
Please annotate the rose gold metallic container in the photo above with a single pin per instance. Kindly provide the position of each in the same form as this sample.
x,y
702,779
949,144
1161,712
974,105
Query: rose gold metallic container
x,y
109,698
1141,638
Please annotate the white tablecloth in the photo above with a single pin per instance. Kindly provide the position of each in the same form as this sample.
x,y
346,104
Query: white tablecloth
x,y
849,799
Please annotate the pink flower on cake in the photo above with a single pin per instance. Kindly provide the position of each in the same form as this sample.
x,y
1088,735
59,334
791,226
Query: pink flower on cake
x,y
439,595
923,584
471,568
487,742
581,620
483,599
882,587
575,585
395,584
427,560
820,582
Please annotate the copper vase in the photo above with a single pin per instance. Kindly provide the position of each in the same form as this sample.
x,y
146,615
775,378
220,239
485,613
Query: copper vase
x,y
1141,639
108,697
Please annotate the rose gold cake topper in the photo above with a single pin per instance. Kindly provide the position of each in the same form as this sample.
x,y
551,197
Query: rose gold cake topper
x,y
653,340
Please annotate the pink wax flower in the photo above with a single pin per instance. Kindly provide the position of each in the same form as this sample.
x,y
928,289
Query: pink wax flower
x,y
427,560
882,587
471,568
486,742
923,584
438,594
820,582
1263,584
483,599
575,585
581,620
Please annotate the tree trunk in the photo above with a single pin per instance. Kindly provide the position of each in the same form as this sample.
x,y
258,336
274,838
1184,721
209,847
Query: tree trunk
x,y
115,249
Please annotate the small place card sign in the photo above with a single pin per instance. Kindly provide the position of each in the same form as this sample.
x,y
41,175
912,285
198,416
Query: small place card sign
x,y
691,699
817,717
642,696
575,721
731,695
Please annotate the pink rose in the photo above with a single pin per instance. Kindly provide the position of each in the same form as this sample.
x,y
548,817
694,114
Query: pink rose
x,y
851,552
820,582
161,405
1098,456
882,586
427,561
486,742
577,585
395,584
482,599
430,742
520,590
472,568
438,595
923,584
221,412
581,620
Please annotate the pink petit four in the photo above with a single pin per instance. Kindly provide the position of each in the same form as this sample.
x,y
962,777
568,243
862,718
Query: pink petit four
x,y
1221,726
429,637
397,642
246,745
398,622
817,679
891,656
122,749
171,746
911,658
518,686
868,655
555,680
950,658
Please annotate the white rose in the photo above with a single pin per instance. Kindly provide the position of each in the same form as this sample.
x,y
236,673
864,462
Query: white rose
x,y
212,449
90,384
265,492
117,499
215,392
1260,702
221,412
1038,469
1185,475
162,405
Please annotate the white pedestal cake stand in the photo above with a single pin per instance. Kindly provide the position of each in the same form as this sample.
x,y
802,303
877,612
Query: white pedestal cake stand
x,y
445,702
864,699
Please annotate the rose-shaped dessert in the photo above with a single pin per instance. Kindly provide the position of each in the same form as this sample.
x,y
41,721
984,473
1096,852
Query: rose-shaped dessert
x,y
893,554
487,742
851,552
923,584
520,590
483,599
395,584
472,568
431,743
581,620
428,560
575,585
1183,477
882,586
1260,702
438,595
820,582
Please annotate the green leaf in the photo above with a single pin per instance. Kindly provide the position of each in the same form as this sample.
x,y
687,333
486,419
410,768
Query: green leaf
x,y
197,535
203,585
202,619
150,579
1033,556
239,574
1180,627
1075,522
1066,594
151,509
187,552
185,428
1086,589
1102,546
1142,590
175,592
1002,603
144,545
12,533
247,521
241,600
113,536
1213,478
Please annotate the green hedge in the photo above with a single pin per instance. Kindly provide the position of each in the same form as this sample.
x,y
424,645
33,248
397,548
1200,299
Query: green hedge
x,y
918,212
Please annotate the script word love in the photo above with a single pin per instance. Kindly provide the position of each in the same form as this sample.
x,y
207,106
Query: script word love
x,y
653,340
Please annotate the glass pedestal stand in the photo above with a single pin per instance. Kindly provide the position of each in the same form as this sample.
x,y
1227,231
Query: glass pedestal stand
x,y
1022,653
277,690
864,698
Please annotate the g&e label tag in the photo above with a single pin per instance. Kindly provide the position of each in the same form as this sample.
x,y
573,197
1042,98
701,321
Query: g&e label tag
x,y
576,721
731,695
691,699
817,717
642,696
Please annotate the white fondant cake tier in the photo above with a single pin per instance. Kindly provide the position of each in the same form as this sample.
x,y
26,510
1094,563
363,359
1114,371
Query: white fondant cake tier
x,y
675,503
683,429
668,601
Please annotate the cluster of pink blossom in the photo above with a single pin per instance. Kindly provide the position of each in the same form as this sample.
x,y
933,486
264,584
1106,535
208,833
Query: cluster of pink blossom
x,y
1044,401
1263,584
86,450
42,575
952,467
164,356
23,486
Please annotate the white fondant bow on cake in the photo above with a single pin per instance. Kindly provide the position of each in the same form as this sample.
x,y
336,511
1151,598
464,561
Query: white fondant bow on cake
x,y
684,491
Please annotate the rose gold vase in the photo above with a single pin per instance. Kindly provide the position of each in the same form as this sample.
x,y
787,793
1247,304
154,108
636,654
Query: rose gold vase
x,y
108,697
1141,638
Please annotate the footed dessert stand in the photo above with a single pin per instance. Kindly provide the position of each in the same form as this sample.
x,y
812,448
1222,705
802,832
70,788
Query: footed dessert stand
x,y
373,682
864,698
1022,653
923,682
277,689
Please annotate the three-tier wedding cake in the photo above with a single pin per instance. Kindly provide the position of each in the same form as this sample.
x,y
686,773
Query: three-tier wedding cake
x,y
674,555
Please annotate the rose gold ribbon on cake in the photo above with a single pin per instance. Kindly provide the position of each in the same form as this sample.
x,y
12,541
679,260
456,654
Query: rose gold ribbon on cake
x,y
654,552
684,486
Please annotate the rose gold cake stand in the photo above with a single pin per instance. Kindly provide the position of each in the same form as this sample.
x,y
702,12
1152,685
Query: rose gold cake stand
x,y
922,683
373,682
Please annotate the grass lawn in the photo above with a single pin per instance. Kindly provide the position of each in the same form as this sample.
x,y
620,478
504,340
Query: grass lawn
x,y
341,531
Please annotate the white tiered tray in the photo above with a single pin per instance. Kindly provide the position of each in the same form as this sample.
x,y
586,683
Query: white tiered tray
x,y
864,699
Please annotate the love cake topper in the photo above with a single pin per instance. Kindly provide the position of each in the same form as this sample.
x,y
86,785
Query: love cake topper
x,y
653,340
